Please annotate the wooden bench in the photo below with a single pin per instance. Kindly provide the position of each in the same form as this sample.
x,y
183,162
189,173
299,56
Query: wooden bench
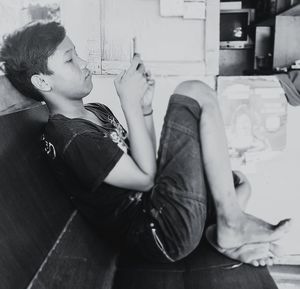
x,y
45,244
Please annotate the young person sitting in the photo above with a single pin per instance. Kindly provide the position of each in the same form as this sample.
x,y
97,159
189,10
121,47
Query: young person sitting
x,y
159,206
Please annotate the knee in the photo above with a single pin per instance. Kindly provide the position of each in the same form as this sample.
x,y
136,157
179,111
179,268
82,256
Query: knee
x,y
197,90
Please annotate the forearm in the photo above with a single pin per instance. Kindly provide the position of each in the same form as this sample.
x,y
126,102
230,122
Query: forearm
x,y
136,92
151,131
149,122
141,143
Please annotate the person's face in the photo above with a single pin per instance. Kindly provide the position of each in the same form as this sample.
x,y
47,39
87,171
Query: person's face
x,y
71,78
243,125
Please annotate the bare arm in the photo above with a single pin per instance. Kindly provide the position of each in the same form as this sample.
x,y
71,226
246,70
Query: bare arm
x,y
150,128
136,172
146,104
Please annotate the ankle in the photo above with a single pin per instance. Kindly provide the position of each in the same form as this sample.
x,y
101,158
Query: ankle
x,y
230,219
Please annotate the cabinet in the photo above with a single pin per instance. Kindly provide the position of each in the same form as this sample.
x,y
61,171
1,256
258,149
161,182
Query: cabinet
x,y
287,37
235,61
277,40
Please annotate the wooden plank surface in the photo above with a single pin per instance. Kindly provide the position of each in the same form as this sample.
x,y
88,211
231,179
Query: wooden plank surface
x,y
203,268
81,260
159,39
286,276
11,100
33,209
162,68
212,37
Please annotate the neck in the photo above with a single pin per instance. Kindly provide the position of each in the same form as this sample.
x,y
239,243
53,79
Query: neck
x,y
72,109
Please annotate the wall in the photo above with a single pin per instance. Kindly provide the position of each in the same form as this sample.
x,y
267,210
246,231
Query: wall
x,y
9,16
276,185
162,41
159,38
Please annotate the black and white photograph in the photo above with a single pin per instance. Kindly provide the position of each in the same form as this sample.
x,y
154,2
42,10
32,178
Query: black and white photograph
x,y
149,144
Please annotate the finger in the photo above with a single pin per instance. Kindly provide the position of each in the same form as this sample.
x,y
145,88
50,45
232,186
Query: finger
x,y
151,82
148,74
134,64
141,68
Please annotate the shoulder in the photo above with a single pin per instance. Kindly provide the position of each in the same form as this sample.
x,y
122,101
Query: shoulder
x,y
60,131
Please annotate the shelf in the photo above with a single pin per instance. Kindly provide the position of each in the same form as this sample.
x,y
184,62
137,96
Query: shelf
x,y
294,11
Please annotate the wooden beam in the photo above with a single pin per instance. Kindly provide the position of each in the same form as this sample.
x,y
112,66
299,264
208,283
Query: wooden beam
x,y
212,37
162,68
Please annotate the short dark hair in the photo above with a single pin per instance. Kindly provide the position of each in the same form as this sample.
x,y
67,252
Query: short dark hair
x,y
25,52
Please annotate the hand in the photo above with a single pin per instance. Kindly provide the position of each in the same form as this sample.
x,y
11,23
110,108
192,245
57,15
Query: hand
x,y
131,85
146,101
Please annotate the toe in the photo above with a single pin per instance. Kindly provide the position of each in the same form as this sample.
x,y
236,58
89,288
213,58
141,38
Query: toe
x,y
255,263
262,262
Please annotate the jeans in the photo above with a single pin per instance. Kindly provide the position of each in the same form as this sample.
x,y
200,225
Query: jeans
x,y
176,208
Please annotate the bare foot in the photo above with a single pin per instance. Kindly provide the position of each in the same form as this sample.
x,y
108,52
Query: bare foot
x,y
256,254
247,229
269,259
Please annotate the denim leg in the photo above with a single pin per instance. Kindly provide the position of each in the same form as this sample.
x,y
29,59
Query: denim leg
x,y
179,197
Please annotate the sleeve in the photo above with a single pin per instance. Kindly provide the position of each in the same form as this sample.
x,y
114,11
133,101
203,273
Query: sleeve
x,y
91,157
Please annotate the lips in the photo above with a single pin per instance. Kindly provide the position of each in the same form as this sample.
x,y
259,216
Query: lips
x,y
87,74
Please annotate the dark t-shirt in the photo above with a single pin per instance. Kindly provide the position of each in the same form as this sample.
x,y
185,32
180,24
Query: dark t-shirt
x,y
82,154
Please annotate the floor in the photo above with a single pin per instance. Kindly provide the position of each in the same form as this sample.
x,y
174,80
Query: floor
x,y
286,277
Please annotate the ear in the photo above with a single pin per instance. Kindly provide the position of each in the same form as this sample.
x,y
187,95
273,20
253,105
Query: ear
x,y
40,82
